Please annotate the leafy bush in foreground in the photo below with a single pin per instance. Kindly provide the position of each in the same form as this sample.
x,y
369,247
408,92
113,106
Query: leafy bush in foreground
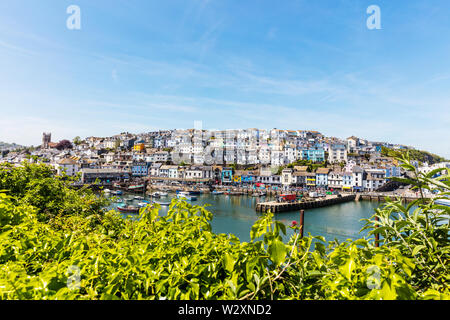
x,y
177,256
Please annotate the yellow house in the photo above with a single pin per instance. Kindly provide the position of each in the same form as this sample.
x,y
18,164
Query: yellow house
x,y
139,147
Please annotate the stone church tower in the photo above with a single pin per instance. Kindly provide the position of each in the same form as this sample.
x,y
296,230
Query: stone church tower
x,y
46,139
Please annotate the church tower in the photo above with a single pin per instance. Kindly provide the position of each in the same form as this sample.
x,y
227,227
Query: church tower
x,y
46,139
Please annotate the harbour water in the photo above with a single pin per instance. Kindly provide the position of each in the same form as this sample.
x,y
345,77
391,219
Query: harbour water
x,y
236,215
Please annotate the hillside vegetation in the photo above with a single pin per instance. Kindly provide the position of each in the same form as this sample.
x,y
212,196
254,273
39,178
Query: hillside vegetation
x,y
418,155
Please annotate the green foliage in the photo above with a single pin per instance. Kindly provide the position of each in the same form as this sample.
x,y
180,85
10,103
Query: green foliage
x,y
420,230
418,155
177,256
36,185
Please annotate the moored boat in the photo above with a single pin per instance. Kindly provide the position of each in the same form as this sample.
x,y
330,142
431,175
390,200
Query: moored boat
x,y
161,203
187,196
234,193
143,204
129,209
443,202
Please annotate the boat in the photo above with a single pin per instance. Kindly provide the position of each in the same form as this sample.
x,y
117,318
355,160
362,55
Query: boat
x,y
187,196
129,200
215,192
155,195
136,187
190,192
443,202
163,194
118,201
139,198
143,204
107,191
162,203
129,209
117,192
234,193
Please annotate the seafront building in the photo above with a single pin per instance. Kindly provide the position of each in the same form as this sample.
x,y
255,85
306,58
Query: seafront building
x,y
246,157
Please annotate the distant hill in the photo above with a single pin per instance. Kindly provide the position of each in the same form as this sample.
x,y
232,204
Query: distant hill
x,y
418,155
9,146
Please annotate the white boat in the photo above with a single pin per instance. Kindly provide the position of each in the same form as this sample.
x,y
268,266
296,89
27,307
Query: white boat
x,y
215,192
186,195
443,202
107,191
142,204
162,203
163,194
139,198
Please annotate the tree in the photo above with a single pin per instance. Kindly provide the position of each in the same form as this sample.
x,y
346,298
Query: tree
x,y
64,144
117,144
77,141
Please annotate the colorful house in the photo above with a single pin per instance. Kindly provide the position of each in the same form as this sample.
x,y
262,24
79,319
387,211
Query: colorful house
x,y
139,169
139,147
227,175
322,177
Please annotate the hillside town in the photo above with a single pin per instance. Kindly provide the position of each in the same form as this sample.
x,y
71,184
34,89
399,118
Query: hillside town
x,y
270,159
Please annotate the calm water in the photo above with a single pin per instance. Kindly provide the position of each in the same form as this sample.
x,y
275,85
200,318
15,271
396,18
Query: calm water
x,y
236,215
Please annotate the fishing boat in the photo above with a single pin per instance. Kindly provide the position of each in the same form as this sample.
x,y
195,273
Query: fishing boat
x,y
187,196
128,209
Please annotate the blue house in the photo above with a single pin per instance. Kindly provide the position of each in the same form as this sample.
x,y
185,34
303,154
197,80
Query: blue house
x,y
248,179
315,154
393,172
227,175
139,169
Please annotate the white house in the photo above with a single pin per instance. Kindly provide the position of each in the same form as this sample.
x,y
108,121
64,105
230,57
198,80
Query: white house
x,y
68,166
337,153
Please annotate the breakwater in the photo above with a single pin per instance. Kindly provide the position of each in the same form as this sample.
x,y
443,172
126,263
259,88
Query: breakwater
x,y
276,207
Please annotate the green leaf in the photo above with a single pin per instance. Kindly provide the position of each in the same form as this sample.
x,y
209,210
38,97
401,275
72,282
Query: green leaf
x,y
277,251
417,249
228,262
347,268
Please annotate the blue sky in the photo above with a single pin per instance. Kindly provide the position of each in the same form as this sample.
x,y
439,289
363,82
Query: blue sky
x,y
142,65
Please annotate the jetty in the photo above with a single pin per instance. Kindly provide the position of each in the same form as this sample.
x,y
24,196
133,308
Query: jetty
x,y
276,207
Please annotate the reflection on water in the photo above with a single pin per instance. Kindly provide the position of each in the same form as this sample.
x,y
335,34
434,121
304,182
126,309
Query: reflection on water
x,y
236,215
